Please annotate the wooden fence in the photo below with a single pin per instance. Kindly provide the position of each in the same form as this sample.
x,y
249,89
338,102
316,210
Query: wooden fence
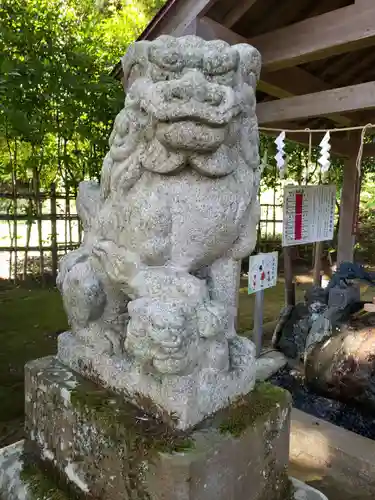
x,y
38,227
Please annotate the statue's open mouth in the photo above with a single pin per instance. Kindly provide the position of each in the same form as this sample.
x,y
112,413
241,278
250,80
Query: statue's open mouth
x,y
190,135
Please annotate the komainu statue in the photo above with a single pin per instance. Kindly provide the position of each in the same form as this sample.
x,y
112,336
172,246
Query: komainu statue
x,y
151,294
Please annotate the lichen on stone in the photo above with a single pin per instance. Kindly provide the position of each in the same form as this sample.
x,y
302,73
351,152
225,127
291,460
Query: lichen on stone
x,y
247,410
136,436
40,485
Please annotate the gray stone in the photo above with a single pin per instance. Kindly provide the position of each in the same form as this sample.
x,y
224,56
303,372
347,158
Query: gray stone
x,y
18,482
269,363
305,492
103,447
188,398
341,298
342,365
153,288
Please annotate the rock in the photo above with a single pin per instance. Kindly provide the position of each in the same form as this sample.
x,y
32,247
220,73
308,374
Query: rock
x,y
152,291
293,336
316,294
269,363
305,492
343,366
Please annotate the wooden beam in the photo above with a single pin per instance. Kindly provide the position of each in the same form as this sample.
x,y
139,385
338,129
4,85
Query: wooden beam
x,y
285,83
240,8
211,30
178,16
368,150
290,82
343,30
341,100
348,207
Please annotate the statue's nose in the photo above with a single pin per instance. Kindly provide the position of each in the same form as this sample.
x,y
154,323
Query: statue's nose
x,y
193,85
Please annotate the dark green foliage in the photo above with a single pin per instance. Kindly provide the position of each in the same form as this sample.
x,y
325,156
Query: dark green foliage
x,y
57,98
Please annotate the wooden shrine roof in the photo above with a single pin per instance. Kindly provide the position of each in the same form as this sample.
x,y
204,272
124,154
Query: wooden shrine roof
x,y
321,50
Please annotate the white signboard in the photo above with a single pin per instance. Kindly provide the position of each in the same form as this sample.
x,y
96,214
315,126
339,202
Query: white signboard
x,y
262,271
309,213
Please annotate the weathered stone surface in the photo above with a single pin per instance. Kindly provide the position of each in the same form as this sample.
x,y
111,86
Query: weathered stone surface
x,y
110,449
268,364
305,492
156,278
189,398
343,365
19,481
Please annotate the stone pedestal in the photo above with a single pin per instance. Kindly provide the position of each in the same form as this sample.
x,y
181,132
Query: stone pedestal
x,y
99,446
84,442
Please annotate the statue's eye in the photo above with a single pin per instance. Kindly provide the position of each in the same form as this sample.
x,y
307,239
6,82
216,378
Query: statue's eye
x,y
170,60
161,75
219,63
226,79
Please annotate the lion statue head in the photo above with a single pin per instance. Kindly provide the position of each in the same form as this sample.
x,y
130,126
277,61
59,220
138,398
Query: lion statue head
x,y
188,102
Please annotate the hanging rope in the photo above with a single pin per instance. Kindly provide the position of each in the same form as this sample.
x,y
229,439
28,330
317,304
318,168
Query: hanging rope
x,y
316,130
360,151
328,131
309,156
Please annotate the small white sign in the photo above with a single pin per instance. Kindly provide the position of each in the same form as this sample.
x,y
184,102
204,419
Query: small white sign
x,y
309,213
262,271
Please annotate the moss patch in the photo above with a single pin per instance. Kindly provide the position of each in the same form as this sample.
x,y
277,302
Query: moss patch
x,y
40,485
136,437
116,415
247,410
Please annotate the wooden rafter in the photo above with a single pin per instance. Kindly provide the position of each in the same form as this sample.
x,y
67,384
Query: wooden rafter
x,y
179,16
343,30
235,14
339,31
341,100
296,81
290,82
284,83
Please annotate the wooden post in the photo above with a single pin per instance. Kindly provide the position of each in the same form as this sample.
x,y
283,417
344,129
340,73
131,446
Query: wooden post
x,y
348,211
318,250
290,290
54,231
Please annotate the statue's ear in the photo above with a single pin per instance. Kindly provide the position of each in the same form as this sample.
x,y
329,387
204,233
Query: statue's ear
x,y
250,63
134,63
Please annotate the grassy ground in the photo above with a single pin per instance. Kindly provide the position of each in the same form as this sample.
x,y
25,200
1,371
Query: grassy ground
x,y
29,322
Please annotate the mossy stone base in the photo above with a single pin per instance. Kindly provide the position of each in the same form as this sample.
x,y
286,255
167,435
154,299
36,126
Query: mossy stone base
x,y
102,447
19,481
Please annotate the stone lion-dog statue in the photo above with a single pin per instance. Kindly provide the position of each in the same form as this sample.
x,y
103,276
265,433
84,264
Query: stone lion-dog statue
x,y
156,277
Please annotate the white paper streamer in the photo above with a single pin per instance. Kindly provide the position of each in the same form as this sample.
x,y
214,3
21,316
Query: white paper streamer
x,y
280,155
325,156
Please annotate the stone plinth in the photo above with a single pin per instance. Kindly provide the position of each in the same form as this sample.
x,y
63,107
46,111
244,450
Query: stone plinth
x,y
104,448
181,401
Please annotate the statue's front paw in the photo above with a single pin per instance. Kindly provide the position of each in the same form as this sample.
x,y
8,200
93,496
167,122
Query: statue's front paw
x,y
83,296
212,319
68,262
